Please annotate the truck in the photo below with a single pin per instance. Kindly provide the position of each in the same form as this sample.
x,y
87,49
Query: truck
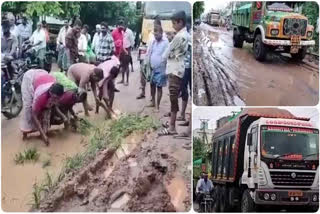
x,y
272,26
213,18
163,10
265,157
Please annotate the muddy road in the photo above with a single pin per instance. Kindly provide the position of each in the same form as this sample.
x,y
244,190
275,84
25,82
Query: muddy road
x,y
224,75
146,170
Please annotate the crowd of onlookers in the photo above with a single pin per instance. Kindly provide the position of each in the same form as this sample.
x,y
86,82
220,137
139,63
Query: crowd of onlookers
x,y
95,63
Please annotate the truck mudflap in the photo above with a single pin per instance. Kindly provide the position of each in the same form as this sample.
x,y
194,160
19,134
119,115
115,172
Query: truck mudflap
x,y
286,197
274,42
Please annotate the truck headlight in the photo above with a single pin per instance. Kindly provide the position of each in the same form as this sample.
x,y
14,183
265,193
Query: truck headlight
x,y
274,32
315,198
273,196
309,34
266,196
262,180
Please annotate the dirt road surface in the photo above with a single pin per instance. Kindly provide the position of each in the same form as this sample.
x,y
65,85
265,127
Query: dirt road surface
x,y
224,75
147,173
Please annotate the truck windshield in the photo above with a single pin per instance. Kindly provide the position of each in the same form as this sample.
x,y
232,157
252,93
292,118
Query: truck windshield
x,y
278,6
165,10
289,143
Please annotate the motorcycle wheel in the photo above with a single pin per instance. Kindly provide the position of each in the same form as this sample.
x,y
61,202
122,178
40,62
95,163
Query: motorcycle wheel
x,y
14,106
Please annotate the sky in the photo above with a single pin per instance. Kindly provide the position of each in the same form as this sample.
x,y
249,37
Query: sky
x,y
215,5
214,113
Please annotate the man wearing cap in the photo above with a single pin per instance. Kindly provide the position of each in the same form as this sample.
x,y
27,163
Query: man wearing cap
x,y
61,46
96,37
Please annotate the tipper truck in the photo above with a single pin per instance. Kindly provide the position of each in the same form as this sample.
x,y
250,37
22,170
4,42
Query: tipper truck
x,y
265,157
272,26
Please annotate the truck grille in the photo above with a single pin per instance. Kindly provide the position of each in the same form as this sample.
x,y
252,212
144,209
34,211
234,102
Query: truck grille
x,y
295,27
292,178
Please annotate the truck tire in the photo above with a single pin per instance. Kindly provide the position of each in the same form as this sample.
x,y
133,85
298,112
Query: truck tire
x,y
224,206
260,50
216,203
247,204
300,55
237,40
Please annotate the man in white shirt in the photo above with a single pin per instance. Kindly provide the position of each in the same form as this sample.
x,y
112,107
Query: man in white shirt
x,y
24,30
96,37
38,41
83,46
61,46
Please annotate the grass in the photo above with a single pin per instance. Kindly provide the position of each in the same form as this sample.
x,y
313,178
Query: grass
x,y
30,154
46,163
102,137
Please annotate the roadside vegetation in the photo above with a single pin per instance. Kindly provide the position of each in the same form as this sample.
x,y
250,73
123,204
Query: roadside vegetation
x,y
110,134
29,155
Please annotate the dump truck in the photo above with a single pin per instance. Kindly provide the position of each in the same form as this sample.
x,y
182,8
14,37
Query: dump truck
x,y
272,26
265,157
213,18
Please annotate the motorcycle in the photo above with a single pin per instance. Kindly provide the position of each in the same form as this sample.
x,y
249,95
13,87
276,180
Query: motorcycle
x,y
28,53
11,96
206,203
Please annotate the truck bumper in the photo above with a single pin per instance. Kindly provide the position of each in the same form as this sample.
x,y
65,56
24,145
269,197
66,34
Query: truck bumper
x,y
283,198
274,42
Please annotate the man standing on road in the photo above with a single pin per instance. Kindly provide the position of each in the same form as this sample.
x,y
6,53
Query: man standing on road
x,y
83,74
105,47
61,46
96,37
39,43
128,42
158,67
176,53
72,43
117,35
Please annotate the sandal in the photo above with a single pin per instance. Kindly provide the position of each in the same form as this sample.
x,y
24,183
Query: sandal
x,y
167,114
166,132
141,96
184,124
165,125
180,119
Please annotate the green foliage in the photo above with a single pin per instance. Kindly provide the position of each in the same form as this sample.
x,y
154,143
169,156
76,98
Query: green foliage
x,y
198,9
30,154
311,10
85,126
46,163
199,148
36,195
74,162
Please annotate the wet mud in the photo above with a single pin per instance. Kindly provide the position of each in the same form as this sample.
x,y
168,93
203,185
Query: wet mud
x,y
139,181
224,75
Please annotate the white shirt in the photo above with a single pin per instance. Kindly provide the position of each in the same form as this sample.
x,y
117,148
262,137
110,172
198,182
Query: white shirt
x,y
82,44
128,38
61,39
95,41
176,51
39,36
25,31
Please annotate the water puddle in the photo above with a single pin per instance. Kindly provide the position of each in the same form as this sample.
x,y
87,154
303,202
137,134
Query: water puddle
x,y
178,192
120,202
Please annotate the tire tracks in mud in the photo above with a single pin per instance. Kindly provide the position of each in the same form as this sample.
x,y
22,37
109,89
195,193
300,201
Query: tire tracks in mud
x,y
116,181
211,74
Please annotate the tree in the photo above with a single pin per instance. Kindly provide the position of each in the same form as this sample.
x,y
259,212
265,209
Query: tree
x,y
199,148
311,10
198,9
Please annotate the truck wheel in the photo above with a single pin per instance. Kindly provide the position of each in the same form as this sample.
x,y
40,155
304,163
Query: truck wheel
x,y
237,41
259,49
224,200
300,55
247,204
216,203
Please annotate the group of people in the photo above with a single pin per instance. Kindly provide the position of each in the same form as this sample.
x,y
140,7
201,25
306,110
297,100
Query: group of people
x,y
169,62
48,98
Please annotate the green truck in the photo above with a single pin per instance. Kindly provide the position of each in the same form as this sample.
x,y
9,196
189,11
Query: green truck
x,y
271,26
